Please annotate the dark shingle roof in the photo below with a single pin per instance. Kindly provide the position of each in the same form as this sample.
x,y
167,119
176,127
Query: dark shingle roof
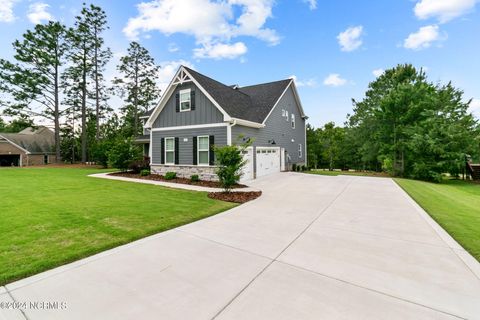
x,y
40,141
252,103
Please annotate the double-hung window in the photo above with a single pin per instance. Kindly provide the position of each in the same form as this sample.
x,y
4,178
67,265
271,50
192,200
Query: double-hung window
x,y
286,115
293,121
203,149
185,100
299,150
169,150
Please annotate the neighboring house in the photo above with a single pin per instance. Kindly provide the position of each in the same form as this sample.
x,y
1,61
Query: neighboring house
x,y
28,147
197,112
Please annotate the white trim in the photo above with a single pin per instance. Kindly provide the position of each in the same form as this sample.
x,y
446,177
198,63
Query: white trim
x,y
295,93
171,88
165,147
189,92
198,151
247,123
195,126
16,145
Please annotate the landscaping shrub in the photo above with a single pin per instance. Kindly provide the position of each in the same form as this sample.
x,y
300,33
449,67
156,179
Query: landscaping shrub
x,y
139,165
145,172
304,168
170,175
122,153
294,167
100,151
194,178
230,163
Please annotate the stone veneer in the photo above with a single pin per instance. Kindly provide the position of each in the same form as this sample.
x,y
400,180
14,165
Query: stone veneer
x,y
204,173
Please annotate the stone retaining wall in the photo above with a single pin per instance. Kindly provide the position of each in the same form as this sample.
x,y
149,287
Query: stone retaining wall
x,y
204,173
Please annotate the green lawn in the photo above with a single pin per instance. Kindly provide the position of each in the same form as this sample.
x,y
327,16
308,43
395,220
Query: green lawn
x,y
52,216
454,204
346,173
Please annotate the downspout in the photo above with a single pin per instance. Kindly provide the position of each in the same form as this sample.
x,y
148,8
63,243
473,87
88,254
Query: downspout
x,y
229,131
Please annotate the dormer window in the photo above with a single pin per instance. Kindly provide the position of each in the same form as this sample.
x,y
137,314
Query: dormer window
x,y
293,121
185,100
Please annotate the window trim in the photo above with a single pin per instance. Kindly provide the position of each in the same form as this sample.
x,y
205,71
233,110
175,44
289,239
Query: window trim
x,y
203,150
292,122
300,153
189,91
173,151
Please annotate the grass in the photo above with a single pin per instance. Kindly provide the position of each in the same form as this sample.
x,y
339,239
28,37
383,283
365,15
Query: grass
x,y
52,216
346,173
454,204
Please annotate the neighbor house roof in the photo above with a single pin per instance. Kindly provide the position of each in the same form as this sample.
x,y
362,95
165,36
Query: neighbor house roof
x,y
41,140
252,103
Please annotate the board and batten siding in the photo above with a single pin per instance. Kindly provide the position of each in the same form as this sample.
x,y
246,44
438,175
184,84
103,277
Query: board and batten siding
x,y
279,129
185,148
205,112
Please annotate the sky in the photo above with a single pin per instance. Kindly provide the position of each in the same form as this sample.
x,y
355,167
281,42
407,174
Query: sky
x,y
332,48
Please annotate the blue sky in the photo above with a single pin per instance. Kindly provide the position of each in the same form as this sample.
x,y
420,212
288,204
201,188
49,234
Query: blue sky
x,y
332,48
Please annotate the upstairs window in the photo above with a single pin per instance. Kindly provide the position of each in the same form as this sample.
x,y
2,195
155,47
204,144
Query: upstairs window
x,y
299,150
283,112
203,150
286,115
169,150
293,121
185,100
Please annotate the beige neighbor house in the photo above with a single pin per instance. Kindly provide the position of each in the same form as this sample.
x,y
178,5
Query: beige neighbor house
x,y
27,148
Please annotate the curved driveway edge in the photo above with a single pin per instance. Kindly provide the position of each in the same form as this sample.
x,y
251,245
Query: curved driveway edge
x,y
312,247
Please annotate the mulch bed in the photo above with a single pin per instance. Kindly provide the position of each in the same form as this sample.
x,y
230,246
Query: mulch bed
x,y
157,177
237,197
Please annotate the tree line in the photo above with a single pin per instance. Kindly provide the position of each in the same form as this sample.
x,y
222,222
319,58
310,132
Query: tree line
x,y
58,74
405,125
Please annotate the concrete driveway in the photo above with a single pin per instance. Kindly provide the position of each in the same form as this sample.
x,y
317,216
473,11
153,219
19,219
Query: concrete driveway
x,y
312,247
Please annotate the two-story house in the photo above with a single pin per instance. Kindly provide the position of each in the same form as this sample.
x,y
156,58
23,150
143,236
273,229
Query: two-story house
x,y
197,112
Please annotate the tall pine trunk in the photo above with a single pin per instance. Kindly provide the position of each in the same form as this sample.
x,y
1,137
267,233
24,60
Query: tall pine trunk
x,y
97,92
84,107
56,115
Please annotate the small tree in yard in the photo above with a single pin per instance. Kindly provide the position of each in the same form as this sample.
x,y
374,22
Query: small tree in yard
x,y
122,153
230,163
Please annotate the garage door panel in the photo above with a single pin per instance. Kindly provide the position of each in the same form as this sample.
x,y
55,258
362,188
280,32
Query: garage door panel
x,y
268,161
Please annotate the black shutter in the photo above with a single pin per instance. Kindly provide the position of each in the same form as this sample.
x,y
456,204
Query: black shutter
x,y
192,100
176,151
212,152
177,102
195,161
162,150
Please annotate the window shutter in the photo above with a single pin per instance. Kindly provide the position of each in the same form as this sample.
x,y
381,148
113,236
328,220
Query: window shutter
x,y
212,152
195,161
177,102
176,151
192,100
162,151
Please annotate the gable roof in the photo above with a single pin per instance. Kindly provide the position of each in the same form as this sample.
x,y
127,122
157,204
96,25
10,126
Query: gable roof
x,y
250,104
41,140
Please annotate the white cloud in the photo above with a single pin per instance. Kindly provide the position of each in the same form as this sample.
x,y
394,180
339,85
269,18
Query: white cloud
x,y
423,38
167,71
351,39
443,10
475,107
173,47
304,83
334,80
6,10
378,72
312,4
221,51
37,12
213,23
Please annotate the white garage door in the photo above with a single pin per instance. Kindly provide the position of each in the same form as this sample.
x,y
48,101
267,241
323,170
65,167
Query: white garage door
x,y
268,161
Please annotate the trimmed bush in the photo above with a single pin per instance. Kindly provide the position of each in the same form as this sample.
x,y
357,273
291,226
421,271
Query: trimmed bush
x,y
139,165
294,167
122,153
194,178
145,172
170,175
230,163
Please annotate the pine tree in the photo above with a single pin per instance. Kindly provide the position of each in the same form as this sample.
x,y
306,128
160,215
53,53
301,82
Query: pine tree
x,y
33,82
137,86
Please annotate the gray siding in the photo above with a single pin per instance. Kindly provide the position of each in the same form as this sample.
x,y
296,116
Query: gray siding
x,y
185,148
278,129
205,112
